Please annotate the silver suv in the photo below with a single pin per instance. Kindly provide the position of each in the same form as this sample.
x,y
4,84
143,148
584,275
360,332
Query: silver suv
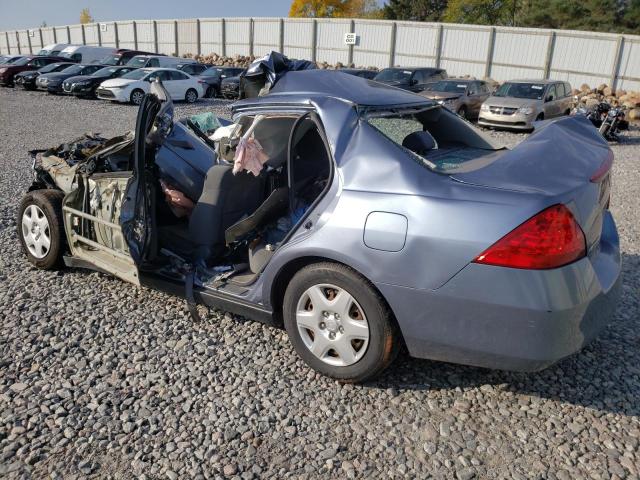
x,y
519,103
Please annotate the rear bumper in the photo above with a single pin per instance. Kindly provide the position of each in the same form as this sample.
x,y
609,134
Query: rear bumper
x,y
510,319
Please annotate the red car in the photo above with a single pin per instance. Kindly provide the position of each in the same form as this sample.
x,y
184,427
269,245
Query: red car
x,y
30,62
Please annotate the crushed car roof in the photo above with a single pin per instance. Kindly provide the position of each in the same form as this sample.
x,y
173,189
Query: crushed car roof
x,y
305,85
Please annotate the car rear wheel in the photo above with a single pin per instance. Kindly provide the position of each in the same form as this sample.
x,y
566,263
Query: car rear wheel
x,y
191,96
338,323
136,96
41,229
211,92
462,111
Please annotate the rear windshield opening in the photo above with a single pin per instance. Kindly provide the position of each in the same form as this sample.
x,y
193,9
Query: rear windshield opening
x,y
434,137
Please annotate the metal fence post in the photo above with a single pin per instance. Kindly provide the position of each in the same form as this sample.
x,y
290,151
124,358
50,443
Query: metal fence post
x,y
281,41
314,41
155,36
490,48
251,37
29,41
616,62
6,34
84,36
198,48
99,32
135,35
439,45
223,36
352,29
55,35
41,38
550,45
116,34
18,42
175,37
68,34
392,44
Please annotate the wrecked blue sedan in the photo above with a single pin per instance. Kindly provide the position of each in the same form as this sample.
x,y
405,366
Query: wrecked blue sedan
x,y
359,216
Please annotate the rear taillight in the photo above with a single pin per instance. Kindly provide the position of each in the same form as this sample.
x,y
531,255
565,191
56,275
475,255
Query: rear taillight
x,y
550,239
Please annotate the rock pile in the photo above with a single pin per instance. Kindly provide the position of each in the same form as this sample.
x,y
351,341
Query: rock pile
x,y
604,93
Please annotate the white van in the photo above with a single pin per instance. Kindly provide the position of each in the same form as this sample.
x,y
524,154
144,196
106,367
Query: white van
x,y
148,61
86,54
52,49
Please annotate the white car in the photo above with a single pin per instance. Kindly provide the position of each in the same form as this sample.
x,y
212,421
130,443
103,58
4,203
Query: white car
x,y
132,86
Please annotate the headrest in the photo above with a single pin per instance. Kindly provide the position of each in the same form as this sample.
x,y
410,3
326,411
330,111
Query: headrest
x,y
419,142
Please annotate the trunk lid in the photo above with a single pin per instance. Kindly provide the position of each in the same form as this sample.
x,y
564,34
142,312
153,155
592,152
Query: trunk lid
x,y
558,161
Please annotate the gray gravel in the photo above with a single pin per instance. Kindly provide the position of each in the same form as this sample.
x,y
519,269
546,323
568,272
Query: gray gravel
x,y
101,379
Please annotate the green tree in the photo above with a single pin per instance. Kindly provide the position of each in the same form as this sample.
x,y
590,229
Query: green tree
x,y
416,10
631,17
483,12
85,16
334,8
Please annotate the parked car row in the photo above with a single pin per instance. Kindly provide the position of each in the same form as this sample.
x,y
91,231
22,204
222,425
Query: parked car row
x,y
124,75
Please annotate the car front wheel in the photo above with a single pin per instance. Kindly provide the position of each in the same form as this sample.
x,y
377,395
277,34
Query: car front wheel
x,y
136,96
338,324
41,229
191,96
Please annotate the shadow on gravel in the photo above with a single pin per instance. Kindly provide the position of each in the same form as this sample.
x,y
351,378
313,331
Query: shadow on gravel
x,y
604,376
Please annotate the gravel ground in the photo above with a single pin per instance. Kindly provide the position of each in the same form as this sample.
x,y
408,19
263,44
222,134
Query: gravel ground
x,y
102,379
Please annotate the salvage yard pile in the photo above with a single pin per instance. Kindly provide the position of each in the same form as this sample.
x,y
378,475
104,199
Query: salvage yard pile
x,y
101,379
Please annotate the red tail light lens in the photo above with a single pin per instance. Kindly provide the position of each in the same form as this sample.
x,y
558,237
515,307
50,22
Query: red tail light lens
x,y
550,239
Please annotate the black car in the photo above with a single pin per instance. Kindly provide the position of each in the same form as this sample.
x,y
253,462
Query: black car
x,y
411,78
52,82
214,76
192,68
230,87
86,85
359,72
122,55
27,80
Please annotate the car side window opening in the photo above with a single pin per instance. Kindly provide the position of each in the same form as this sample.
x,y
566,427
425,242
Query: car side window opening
x,y
153,62
239,220
552,94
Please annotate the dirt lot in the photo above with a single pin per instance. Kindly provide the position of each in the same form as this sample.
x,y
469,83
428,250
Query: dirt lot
x,y
102,379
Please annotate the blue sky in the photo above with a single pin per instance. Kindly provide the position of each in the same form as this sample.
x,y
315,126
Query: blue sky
x,y
19,14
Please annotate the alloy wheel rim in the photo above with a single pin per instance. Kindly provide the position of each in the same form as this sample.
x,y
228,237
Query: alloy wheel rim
x,y
191,97
137,98
36,232
332,325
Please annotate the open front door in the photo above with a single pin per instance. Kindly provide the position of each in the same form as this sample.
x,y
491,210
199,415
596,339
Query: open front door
x,y
109,218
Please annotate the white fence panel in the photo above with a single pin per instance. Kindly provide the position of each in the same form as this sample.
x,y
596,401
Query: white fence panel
x,y
238,31
126,35
416,44
502,73
266,35
464,51
62,35
48,36
75,31
330,45
108,34
629,65
298,36
23,41
91,34
36,44
374,42
4,46
188,36
519,56
576,54
166,37
13,43
144,29
211,36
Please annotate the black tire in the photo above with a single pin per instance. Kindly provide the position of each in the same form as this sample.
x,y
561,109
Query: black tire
x,y
211,92
540,117
50,203
462,112
383,343
135,97
191,96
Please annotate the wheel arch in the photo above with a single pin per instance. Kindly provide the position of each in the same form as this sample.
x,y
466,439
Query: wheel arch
x,y
286,273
